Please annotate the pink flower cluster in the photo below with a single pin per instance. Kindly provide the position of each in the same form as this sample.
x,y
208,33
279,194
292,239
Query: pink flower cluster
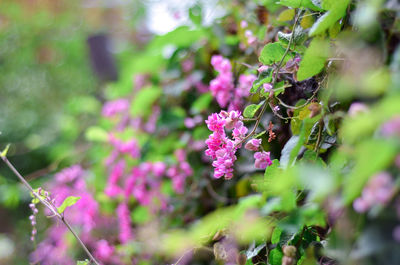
x,y
124,218
117,172
262,159
144,184
250,38
222,87
378,191
104,251
391,127
179,172
84,214
52,250
70,182
221,148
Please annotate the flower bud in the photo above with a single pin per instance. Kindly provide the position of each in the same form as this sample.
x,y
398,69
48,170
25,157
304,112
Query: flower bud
x,y
253,144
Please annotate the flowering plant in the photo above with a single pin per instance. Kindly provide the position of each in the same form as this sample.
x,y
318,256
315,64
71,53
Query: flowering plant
x,y
271,138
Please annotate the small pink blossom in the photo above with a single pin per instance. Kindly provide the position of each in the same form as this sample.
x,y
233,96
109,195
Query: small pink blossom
x,y
263,160
216,123
262,68
159,168
378,191
391,127
267,88
125,230
116,106
251,39
253,144
104,250
356,108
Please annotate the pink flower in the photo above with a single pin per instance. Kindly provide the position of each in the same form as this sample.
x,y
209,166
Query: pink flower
x,y
225,160
239,132
201,87
231,118
216,123
139,81
221,147
221,64
392,127
104,250
69,174
187,65
125,230
116,106
251,39
179,172
378,191
243,24
267,88
253,144
263,160
356,108
360,205
242,91
159,168
117,172
214,143
262,68
222,86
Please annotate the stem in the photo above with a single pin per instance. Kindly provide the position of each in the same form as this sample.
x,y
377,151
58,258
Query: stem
x,y
275,77
49,206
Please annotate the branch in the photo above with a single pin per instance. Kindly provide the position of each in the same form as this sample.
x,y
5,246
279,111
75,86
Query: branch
x,y
275,77
48,205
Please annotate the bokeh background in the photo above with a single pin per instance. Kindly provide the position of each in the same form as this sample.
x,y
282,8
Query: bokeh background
x,y
57,59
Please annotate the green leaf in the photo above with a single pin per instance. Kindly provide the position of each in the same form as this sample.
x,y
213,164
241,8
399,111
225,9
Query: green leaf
x,y
279,88
251,110
82,262
140,215
286,15
273,170
195,14
201,103
271,53
276,235
368,164
300,3
337,9
69,201
363,125
96,134
314,59
264,77
275,257
259,135
299,37
145,98
5,151
285,159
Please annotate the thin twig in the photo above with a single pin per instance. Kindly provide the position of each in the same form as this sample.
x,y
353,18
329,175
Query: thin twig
x,y
49,206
